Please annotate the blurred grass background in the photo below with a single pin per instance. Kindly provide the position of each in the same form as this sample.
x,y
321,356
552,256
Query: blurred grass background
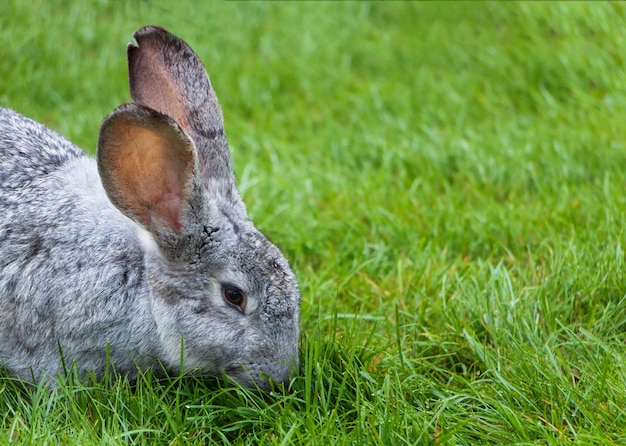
x,y
447,179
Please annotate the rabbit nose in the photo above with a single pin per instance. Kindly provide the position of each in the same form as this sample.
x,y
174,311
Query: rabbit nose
x,y
278,376
264,374
281,374
278,373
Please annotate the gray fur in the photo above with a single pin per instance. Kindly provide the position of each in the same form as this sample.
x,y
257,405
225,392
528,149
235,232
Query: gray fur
x,y
87,261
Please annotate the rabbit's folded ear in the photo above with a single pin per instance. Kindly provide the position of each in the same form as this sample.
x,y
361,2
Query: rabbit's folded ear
x,y
147,164
167,76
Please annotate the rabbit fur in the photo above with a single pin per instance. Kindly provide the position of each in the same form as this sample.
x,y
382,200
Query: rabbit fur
x,y
145,250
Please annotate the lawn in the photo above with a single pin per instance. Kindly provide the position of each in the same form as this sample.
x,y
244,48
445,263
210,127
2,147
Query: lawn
x,y
448,181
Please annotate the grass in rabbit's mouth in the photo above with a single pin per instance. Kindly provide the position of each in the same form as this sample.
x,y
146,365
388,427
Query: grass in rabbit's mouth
x,y
448,181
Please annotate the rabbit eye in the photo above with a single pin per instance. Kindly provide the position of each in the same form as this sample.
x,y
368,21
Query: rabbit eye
x,y
234,296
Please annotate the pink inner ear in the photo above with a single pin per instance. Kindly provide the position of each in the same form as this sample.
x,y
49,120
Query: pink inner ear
x,y
162,182
168,206
146,163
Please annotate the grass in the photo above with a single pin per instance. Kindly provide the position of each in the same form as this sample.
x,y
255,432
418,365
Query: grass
x,y
448,181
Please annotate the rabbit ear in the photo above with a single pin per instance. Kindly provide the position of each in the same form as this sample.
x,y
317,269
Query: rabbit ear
x,y
146,163
167,76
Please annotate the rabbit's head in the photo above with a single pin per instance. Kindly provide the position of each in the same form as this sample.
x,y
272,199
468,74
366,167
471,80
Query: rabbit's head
x,y
223,297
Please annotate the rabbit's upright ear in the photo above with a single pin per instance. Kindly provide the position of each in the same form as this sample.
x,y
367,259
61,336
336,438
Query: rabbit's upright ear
x,y
147,164
167,76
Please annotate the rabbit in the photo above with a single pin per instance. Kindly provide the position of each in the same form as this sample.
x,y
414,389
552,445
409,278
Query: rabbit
x,y
145,253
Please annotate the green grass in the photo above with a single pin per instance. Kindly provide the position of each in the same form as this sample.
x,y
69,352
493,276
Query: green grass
x,y
448,181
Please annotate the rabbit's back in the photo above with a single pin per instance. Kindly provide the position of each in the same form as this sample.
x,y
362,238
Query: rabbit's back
x,y
71,265
29,150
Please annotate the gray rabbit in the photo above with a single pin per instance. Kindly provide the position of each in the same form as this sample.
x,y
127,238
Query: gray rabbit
x,y
146,251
